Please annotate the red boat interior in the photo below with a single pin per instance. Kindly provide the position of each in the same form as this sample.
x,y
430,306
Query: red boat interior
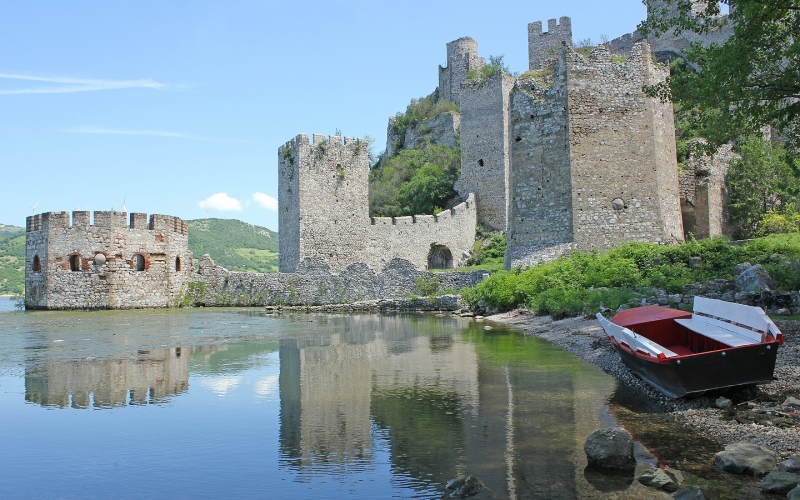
x,y
658,324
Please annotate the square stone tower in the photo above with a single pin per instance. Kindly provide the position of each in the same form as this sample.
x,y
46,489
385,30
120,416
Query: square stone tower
x,y
593,158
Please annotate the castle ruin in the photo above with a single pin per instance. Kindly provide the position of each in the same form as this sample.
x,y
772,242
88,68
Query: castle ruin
x,y
111,264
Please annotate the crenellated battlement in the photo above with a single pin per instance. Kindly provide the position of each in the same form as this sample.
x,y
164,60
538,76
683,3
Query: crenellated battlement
x,y
541,44
105,220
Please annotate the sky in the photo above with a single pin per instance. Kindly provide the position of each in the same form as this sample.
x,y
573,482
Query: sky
x,y
162,106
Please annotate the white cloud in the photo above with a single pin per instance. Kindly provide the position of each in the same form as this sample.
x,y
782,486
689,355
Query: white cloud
x,y
265,201
221,202
69,84
157,133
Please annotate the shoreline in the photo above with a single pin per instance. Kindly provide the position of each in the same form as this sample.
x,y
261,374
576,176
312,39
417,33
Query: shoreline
x,y
757,414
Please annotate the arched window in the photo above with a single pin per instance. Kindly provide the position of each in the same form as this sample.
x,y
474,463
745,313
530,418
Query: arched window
x,y
440,257
75,263
37,264
177,263
138,262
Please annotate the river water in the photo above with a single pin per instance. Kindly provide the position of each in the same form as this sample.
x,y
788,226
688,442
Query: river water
x,y
231,403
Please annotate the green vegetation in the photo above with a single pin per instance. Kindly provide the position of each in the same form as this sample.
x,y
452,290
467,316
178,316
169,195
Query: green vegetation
x,y
763,180
478,76
415,182
583,282
426,108
745,83
235,245
488,253
12,262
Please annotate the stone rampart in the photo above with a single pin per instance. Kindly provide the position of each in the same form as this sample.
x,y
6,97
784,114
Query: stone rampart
x,y
542,46
593,159
324,213
314,284
704,193
111,264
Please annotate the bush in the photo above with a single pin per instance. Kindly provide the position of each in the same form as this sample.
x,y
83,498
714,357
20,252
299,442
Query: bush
x,y
478,76
781,220
425,109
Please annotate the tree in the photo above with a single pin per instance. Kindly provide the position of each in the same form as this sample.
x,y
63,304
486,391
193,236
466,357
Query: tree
x,y
759,182
751,80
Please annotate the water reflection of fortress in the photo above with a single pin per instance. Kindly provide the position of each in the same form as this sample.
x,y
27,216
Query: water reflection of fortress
x,y
445,405
153,376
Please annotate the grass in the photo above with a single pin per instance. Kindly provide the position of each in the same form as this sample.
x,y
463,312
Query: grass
x,y
586,282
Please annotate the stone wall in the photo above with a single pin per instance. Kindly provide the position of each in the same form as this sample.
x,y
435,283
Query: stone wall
x,y
314,284
83,266
593,159
542,46
324,212
462,56
484,148
704,193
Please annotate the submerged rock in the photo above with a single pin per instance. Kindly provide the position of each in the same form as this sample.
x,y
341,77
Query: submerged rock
x,y
658,479
693,493
465,486
779,482
610,449
791,464
746,458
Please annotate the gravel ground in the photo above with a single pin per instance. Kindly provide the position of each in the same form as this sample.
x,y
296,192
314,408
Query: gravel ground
x,y
757,415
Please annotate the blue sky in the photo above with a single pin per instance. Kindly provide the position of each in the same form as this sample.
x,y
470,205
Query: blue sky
x,y
163,104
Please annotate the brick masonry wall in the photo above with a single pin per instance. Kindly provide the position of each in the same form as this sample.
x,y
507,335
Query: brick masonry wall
x,y
324,210
315,284
116,284
484,148
617,164
541,45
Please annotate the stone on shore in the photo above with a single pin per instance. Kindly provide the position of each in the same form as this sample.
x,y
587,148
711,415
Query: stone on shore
x,y
723,402
610,449
779,482
791,464
746,458
794,494
740,268
755,279
658,479
693,493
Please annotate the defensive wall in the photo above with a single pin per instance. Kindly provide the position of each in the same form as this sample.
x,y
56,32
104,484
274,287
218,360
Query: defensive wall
x,y
324,213
113,263
592,159
315,284
704,193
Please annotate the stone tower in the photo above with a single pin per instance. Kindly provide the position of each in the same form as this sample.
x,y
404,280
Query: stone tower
x,y
543,46
484,148
323,202
462,56
108,265
593,159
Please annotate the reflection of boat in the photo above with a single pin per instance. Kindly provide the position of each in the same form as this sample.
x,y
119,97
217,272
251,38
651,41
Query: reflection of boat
x,y
679,353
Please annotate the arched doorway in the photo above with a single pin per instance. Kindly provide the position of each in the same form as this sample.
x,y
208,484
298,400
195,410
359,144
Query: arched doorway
x,y
440,257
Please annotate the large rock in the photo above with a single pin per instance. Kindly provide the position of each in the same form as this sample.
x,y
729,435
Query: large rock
x,y
755,279
658,479
794,494
791,464
610,449
779,482
746,458
465,486
693,493
740,268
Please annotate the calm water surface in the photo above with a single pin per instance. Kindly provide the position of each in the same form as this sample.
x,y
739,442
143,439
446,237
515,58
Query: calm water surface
x,y
213,403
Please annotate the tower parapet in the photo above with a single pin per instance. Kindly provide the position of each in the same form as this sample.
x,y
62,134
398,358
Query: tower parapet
x,y
542,46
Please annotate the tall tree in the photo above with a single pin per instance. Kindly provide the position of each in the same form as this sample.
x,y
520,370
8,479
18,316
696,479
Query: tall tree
x,y
751,80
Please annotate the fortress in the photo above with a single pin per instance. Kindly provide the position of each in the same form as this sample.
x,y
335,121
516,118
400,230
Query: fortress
x,y
570,155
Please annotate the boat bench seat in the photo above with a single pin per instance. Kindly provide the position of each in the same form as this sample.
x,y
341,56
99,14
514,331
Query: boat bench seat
x,y
725,333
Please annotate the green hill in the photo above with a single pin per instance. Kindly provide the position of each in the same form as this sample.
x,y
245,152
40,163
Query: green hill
x,y
235,245
12,261
8,229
